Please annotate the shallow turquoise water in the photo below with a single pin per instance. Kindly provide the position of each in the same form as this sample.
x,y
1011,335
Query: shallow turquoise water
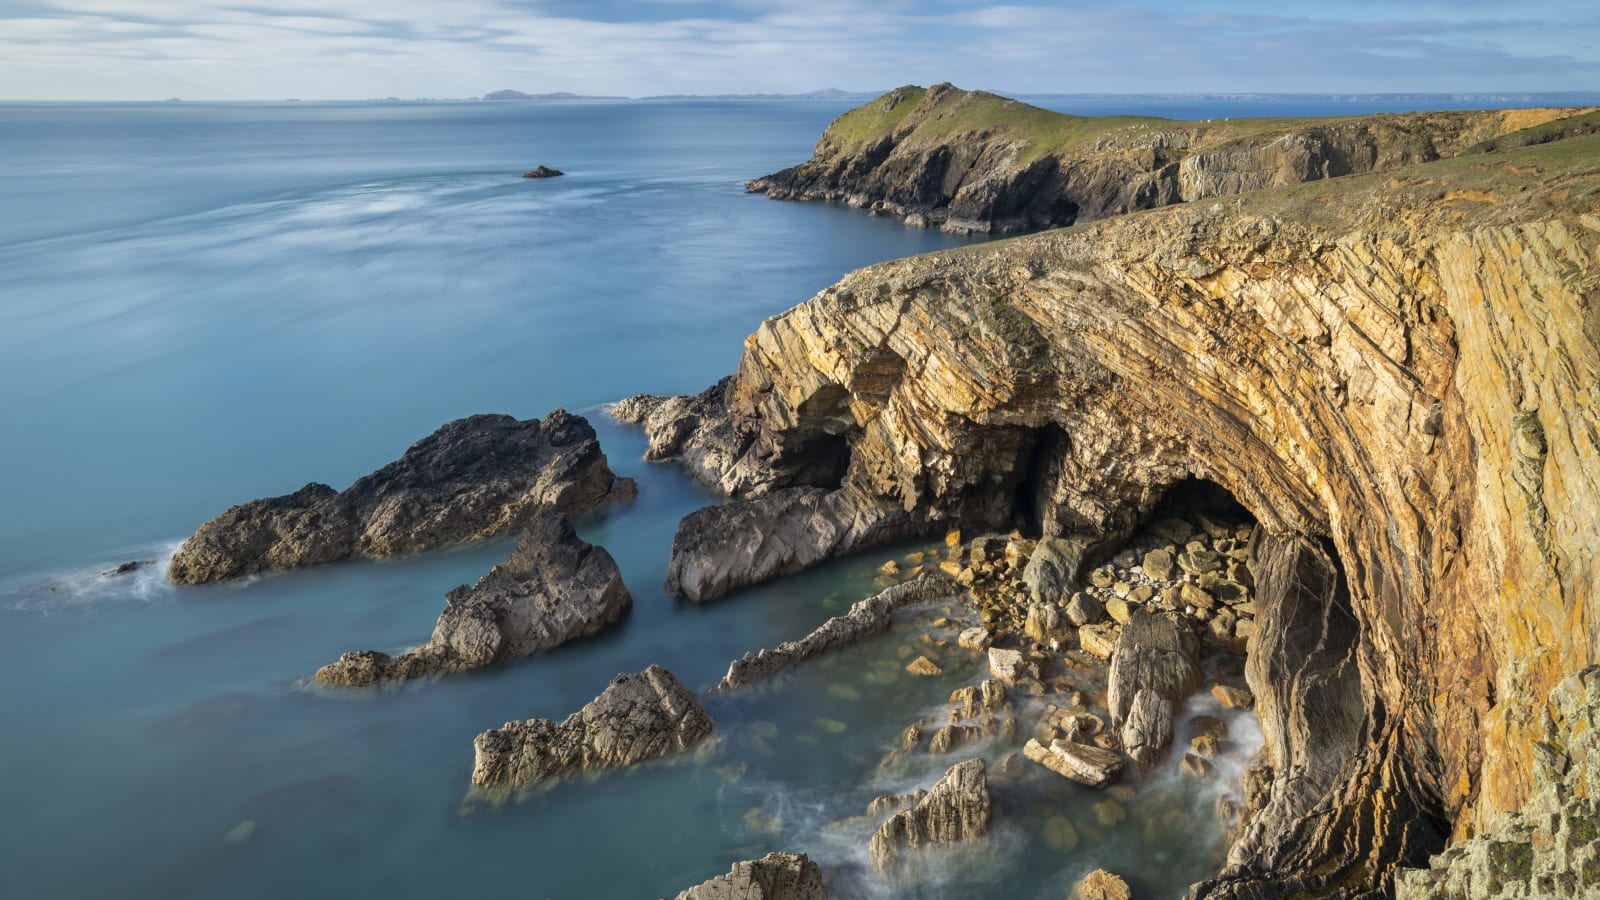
x,y
204,304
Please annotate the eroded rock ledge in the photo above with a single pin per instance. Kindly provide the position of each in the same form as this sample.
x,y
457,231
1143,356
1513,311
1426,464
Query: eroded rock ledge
x,y
553,588
865,618
776,876
474,478
640,716
955,810
970,161
1394,374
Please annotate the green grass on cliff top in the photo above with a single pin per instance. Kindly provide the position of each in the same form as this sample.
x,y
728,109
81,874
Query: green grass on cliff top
x,y
942,113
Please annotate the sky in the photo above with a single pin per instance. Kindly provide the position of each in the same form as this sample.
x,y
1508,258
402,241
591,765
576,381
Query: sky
x,y
353,49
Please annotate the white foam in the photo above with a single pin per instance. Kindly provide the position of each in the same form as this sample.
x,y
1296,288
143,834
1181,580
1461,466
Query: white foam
x,y
95,584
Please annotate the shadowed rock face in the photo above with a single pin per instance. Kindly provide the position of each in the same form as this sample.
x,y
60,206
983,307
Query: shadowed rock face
x,y
1394,373
553,588
641,716
970,161
776,876
474,478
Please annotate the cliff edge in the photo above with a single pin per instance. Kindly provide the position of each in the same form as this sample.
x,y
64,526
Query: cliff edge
x,y
1395,373
975,162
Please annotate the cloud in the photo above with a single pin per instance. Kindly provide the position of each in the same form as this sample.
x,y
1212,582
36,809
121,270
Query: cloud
x,y
141,49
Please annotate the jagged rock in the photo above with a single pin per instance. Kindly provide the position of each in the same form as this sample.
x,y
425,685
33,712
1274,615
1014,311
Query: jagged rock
x,y
1156,664
865,618
1194,765
1209,725
720,548
1158,564
1046,623
543,172
127,568
1232,697
553,588
1147,727
776,876
1101,885
924,666
638,717
1082,763
1011,667
955,810
1205,746
473,478
1052,570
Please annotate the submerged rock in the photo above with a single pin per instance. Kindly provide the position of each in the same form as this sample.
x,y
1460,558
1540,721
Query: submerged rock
x,y
956,809
640,716
553,588
474,478
776,876
867,617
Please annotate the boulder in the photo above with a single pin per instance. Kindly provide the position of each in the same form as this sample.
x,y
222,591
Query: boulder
x,y
1159,655
1046,623
1099,640
975,638
1157,564
924,666
1101,885
955,810
1232,697
1052,571
1011,667
474,478
640,716
553,588
1083,763
776,876
1084,609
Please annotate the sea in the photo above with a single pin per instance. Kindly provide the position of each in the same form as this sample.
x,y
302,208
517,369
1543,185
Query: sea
x,y
204,303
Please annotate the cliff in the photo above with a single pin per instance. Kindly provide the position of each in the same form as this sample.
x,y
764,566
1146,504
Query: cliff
x,y
1395,373
970,161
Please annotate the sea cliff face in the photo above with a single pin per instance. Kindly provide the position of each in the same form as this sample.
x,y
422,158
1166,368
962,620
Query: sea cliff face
x,y
969,161
1395,374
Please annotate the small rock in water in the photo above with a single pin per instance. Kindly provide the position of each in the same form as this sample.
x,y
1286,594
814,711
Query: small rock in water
x,y
1110,813
1209,725
130,566
924,666
890,568
832,726
1205,746
1232,697
1195,767
975,639
1060,834
1101,885
543,172
240,833
843,692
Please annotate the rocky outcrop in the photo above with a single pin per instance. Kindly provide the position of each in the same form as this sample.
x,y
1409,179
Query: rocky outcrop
x,y
974,713
640,716
865,618
553,588
1101,885
957,809
1155,666
543,172
720,548
970,161
474,478
776,876
1399,367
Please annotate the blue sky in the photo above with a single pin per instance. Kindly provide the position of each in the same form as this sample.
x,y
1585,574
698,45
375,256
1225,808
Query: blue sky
x,y
317,49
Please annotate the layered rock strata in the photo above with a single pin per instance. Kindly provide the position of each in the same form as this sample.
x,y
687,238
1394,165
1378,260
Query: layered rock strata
x,y
1155,666
970,161
474,478
553,588
640,716
1398,369
865,618
955,810
776,876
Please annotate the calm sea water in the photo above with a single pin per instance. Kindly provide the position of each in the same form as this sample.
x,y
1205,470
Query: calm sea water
x,y
203,304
